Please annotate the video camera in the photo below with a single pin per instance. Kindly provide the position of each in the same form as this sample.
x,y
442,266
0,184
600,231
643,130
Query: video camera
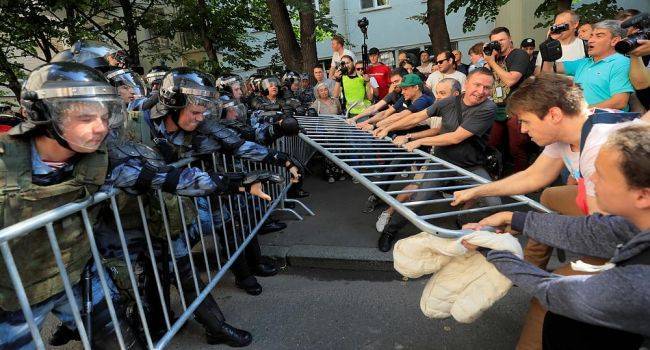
x,y
640,22
363,25
341,67
491,46
559,28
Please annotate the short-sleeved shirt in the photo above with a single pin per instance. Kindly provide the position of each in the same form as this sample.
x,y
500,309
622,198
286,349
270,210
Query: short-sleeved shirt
x,y
391,98
476,119
421,103
437,76
583,164
573,51
381,73
603,79
336,58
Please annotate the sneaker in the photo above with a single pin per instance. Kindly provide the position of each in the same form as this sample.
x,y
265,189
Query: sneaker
x,y
331,179
382,221
371,204
354,180
342,178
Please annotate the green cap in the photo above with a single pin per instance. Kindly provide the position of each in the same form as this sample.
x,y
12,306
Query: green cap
x,y
411,80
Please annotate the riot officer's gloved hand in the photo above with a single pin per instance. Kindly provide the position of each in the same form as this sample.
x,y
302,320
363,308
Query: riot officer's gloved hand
x,y
270,107
233,183
287,126
295,166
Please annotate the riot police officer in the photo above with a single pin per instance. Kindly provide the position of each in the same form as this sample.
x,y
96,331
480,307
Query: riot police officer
x,y
55,157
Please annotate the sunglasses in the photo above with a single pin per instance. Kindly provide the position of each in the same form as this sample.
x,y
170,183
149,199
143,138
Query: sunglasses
x,y
441,61
359,68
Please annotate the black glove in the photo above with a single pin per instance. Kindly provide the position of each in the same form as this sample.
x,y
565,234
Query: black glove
x,y
287,126
231,182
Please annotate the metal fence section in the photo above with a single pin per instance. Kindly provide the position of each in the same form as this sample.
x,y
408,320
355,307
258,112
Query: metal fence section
x,y
375,163
213,232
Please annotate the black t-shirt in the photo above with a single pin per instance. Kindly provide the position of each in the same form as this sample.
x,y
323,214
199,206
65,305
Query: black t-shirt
x,y
476,119
518,61
392,97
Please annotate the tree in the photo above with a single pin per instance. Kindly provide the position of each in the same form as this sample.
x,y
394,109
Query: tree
x,y
286,38
489,9
435,19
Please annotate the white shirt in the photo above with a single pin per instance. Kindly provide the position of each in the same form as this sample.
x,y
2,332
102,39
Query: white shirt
x,y
573,51
437,76
336,58
583,164
426,68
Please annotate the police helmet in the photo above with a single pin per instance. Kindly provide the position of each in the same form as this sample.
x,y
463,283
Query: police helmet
x,y
95,54
127,78
267,82
156,75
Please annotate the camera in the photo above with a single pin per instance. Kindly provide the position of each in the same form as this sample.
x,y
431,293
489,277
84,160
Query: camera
x,y
491,46
557,29
341,67
641,22
363,24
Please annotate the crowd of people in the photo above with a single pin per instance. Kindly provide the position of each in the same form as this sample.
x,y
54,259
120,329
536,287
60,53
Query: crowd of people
x,y
565,120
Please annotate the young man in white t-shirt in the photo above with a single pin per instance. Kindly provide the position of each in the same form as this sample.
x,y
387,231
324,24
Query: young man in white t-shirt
x,y
552,111
338,51
573,48
445,62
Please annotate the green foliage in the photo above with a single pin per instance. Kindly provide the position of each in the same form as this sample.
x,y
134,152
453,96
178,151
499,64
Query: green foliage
x,y
475,10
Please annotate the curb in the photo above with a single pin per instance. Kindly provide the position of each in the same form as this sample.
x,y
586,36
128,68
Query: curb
x,y
330,257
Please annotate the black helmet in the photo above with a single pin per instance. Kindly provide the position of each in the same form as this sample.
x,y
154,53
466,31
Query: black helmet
x,y
54,92
267,82
290,77
224,83
127,77
156,75
182,86
95,54
231,108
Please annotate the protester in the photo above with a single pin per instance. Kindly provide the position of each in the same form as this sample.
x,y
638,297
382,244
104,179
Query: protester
x,y
466,121
608,310
476,57
426,67
460,66
378,71
394,94
584,31
445,61
324,103
319,76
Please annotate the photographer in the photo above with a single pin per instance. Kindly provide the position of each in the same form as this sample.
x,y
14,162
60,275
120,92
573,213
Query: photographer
x,y
564,30
338,51
604,76
510,69
638,29
351,79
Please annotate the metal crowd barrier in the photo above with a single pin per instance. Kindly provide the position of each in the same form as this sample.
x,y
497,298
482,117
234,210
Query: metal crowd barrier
x,y
247,215
367,159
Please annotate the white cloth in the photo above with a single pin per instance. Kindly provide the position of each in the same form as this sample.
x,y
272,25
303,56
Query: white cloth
x,y
437,76
573,51
465,284
336,57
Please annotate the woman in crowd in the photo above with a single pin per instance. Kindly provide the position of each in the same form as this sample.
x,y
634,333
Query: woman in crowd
x,y
325,104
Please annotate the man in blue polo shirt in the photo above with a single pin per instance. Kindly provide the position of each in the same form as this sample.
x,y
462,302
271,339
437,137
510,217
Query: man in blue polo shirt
x,y
604,76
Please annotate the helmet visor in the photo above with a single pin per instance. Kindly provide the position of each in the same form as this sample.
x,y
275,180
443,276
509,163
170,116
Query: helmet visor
x,y
84,122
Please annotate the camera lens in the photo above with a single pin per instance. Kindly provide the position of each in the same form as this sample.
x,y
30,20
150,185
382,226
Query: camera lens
x,y
626,45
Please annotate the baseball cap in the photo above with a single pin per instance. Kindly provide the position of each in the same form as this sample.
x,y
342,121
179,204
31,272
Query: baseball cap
x,y
528,42
373,51
411,80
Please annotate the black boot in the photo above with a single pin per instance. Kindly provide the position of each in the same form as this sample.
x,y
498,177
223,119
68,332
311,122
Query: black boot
x,y
386,241
272,226
228,335
265,269
249,285
209,315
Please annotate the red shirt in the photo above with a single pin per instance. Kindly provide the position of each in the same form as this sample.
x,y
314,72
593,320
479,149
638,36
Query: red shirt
x,y
381,72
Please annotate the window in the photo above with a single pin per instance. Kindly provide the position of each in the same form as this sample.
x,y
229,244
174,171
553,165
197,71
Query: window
x,y
368,4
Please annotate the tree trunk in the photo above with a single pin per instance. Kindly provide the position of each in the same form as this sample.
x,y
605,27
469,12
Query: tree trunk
x,y
308,39
71,22
287,42
206,39
437,26
131,32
